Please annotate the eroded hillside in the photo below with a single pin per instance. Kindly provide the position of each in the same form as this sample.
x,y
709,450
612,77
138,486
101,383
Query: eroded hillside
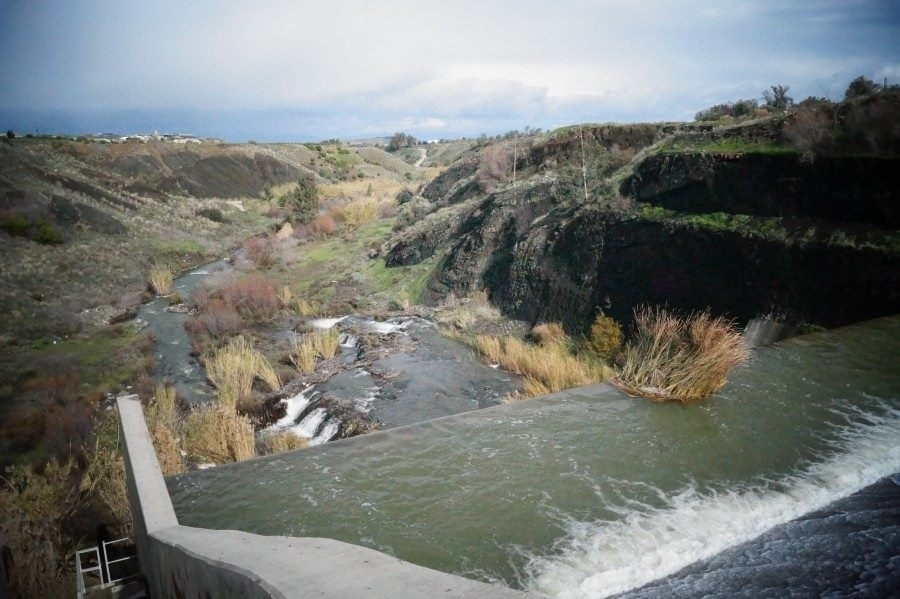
x,y
736,219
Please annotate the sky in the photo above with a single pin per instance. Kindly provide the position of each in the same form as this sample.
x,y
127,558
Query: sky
x,y
305,71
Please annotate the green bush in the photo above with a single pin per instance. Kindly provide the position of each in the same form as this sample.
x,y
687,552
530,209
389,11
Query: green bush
x,y
47,233
606,337
14,223
303,201
213,214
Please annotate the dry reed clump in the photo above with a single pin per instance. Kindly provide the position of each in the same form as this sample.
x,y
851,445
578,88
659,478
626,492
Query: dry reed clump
x,y
546,369
681,359
216,433
165,424
283,441
233,368
312,346
161,279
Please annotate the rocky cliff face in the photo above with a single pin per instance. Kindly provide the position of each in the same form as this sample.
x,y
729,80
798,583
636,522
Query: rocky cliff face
x,y
837,189
541,256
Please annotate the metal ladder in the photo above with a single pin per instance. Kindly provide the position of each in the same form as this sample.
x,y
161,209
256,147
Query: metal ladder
x,y
84,569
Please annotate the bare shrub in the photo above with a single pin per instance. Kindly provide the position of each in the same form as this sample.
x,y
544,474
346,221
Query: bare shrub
x,y
253,296
324,224
494,167
216,320
260,250
387,210
682,359
810,130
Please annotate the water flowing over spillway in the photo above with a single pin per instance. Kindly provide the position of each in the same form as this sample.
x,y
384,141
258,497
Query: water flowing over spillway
x,y
589,493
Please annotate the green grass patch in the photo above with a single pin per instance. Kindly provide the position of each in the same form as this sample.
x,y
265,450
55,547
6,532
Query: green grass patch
x,y
724,145
401,282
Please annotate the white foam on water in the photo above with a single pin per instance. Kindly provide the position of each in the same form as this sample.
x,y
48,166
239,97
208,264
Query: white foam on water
x,y
309,425
384,328
348,340
293,406
324,323
328,431
598,559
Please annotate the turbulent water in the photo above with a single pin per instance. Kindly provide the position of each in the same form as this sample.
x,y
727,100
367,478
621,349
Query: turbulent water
x,y
589,493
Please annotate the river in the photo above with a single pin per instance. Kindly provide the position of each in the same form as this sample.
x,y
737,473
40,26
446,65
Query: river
x,y
589,493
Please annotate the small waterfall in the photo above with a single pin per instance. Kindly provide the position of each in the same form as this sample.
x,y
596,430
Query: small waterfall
x,y
309,426
329,430
598,559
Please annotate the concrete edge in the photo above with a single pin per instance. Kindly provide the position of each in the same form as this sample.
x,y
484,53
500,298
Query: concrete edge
x,y
151,496
181,561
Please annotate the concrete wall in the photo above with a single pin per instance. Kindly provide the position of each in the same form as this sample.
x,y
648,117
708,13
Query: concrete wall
x,y
181,561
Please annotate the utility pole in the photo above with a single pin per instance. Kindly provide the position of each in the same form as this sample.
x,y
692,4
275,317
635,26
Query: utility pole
x,y
583,164
515,154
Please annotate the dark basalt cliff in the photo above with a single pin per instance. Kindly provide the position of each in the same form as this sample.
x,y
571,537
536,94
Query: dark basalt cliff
x,y
838,189
542,257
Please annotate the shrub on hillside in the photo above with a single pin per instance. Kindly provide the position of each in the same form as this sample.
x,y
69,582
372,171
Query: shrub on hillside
x,y
810,129
213,214
302,201
494,167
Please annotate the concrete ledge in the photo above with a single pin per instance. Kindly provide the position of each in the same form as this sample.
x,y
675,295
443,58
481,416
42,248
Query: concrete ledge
x,y
180,561
234,563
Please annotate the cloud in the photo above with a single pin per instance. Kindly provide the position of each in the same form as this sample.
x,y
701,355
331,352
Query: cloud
x,y
391,64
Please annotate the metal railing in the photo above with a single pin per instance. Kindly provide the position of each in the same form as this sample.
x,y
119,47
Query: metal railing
x,y
93,568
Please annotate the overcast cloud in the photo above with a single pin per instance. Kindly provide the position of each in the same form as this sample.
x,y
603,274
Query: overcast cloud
x,y
309,70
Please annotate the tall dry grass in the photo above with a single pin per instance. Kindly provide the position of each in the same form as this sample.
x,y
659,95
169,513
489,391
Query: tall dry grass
x,y
216,433
310,347
548,333
681,359
283,441
35,506
104,474
546,368
165,423
161,279
233,368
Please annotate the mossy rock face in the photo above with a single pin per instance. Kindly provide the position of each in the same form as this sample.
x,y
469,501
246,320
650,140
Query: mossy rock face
x,y
836,189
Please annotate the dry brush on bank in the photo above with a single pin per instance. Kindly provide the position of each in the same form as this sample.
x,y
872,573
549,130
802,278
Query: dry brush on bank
x,y
679,359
